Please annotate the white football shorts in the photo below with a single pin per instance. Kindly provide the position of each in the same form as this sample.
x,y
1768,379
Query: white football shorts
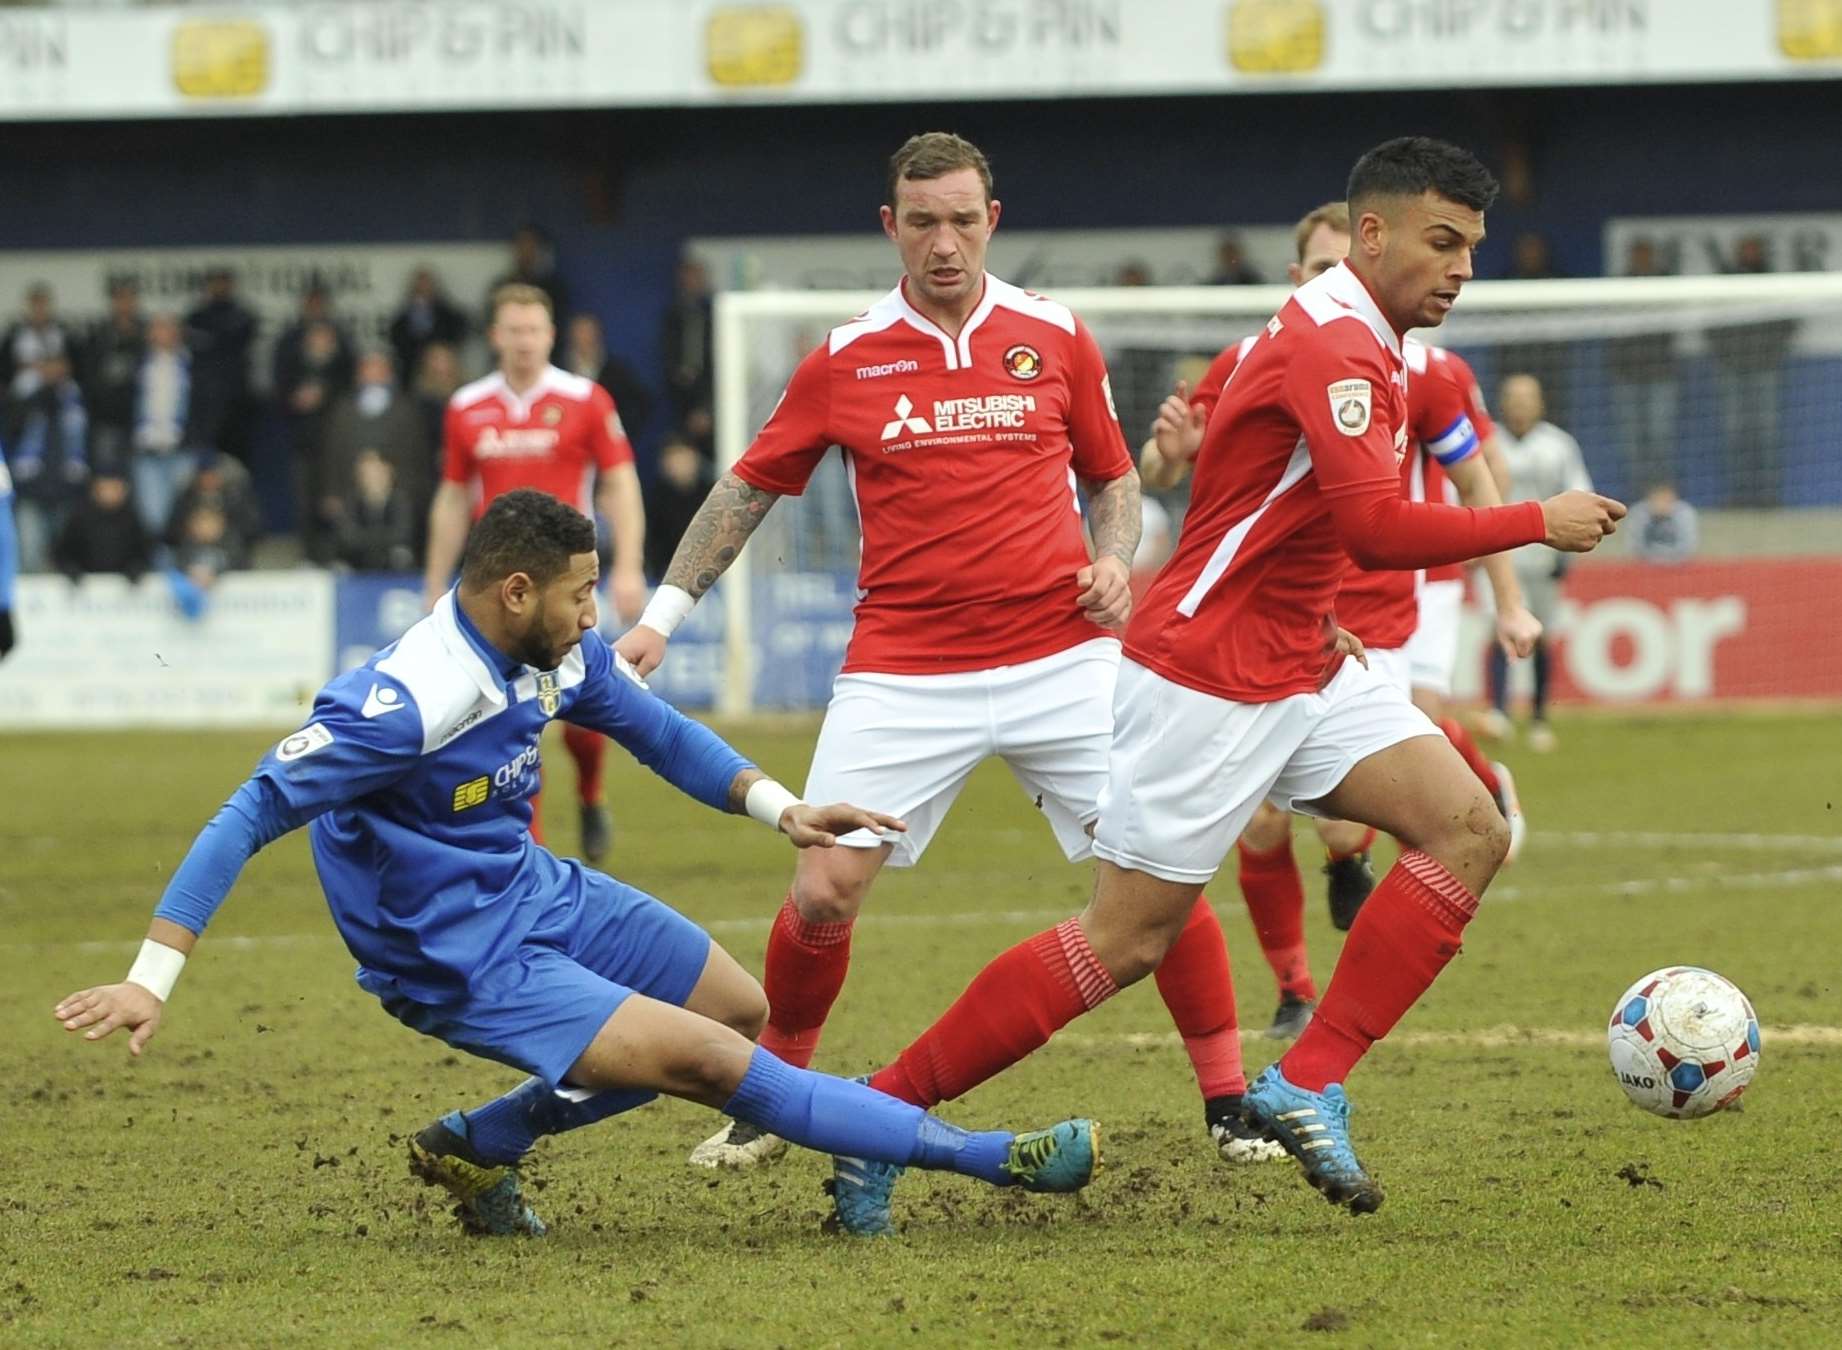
x,y
1393,664
1433,649
905,744
1188,769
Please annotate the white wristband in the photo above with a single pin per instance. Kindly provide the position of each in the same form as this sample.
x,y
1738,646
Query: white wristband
x,y
669,607
768,800
157,968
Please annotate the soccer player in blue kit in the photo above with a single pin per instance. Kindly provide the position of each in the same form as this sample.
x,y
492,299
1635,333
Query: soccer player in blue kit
x,y
414,775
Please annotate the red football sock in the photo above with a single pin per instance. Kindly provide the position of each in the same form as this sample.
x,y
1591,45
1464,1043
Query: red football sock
x,y
1368,842
1461,741
1406,932
805,968
1275,895
1011,1007
586,748
1196,986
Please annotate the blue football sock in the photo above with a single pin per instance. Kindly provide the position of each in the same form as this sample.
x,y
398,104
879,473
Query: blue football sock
x,y
836,1115
504,1129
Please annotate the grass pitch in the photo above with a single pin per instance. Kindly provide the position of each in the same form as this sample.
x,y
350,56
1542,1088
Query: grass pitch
x,y
245,1183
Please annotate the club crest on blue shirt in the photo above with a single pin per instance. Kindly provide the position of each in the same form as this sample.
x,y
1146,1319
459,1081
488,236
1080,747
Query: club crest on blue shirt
x,y
549,697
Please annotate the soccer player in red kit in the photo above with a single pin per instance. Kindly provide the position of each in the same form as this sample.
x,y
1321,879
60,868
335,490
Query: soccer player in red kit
x,y
1232,690
531,425
967,410
1383,608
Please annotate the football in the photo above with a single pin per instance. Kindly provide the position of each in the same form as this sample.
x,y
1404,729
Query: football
x,y
1684,1042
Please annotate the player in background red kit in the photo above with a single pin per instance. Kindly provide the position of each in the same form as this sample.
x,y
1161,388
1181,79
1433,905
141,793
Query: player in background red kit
x,y
967,410
1232,689
1450,435
532,425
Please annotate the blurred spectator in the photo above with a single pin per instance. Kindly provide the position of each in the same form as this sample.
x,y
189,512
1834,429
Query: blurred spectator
x,y
684,481
104,533
436,380
1642,368
313,368
533,264
1749,373
207,547
49,458
1543,460
685,341
219,333
35,337
1550,361
375,418
1133,273
163,461
110,373
9,560
1231,265
378,523
1663,527
585,353
426,316
223,485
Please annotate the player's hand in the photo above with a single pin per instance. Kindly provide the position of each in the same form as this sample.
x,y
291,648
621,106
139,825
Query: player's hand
x,y
1517,631
628,591
642,648
97,1012
1577,521
1179,425
1106,591
1348,644
819,826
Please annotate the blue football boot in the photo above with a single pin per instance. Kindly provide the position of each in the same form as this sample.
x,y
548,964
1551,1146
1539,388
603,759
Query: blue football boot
x,y
1057,1160
1314,1127
488,1193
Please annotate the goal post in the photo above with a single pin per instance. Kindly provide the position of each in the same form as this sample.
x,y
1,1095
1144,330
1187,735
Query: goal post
x,y
1729,387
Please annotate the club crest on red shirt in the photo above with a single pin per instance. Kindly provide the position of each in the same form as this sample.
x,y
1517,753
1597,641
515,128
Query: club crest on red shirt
x,y
1023,362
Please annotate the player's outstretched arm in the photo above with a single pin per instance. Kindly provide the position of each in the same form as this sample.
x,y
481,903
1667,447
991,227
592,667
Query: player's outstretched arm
x,y
754,794
337,757
1115,518
713,539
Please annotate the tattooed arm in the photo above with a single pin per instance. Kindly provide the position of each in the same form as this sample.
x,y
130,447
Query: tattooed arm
x,y
716,534
1114,519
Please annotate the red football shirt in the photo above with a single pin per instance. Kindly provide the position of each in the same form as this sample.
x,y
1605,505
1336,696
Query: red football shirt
x,y
963,454
1312,425
1383,608
554,438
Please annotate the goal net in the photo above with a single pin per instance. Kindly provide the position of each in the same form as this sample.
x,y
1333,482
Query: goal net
x,y
1727,391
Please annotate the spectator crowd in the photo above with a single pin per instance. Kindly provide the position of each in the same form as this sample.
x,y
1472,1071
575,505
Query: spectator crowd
x,y
134,442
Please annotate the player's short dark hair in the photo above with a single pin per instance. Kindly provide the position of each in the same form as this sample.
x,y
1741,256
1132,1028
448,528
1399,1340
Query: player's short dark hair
x,y
525,531
1408,166
935,154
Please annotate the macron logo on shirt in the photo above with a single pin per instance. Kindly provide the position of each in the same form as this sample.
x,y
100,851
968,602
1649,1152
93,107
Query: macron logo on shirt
x,y
382,699
905,421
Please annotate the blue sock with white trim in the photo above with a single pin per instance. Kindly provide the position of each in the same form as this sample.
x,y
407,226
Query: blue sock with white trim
x,y
836,1115
504,1129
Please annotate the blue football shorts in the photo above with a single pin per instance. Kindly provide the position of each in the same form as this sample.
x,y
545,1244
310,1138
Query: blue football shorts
x,y
540,1006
